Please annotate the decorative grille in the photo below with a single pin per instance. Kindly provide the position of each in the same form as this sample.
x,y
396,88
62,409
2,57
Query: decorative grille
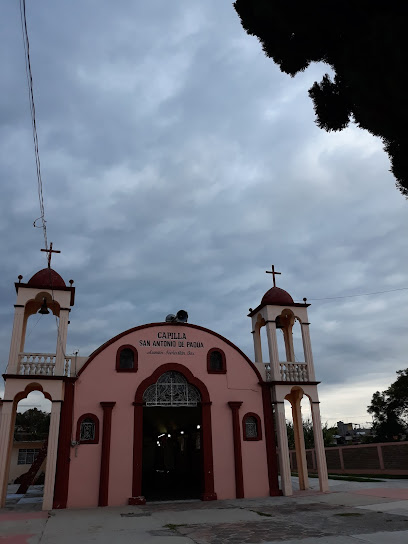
x,y
251,427
87,431
171,389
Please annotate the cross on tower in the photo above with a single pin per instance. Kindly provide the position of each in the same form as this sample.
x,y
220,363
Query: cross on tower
x,y
50,251
273,274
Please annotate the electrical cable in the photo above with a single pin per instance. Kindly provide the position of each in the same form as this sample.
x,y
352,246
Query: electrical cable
x,y
360,294
29,75
33,120
34,326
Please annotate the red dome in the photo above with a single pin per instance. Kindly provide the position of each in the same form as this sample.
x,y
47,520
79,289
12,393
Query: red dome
x,y
46,278
277,296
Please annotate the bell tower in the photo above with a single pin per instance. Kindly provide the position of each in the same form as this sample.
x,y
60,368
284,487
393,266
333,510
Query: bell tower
x,y
289,379
46,292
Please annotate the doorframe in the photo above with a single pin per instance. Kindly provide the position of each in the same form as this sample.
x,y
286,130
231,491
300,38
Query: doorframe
x,y
208,469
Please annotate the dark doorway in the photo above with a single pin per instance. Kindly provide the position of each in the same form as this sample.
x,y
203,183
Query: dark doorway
x,y
172,453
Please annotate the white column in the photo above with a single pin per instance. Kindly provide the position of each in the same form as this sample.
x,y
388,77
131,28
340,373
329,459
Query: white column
x,y
6,442
289,348
61,342
319,448
283,448
256,333
52,450
300,444
16,340
307,348
273,350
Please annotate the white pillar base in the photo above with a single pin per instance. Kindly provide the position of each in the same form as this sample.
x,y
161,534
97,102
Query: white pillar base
x,y
284,463
6,443
319,448
299,441
52,450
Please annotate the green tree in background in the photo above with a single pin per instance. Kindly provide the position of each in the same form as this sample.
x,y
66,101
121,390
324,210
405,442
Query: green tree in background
x,y
363,42
328,434
390,410
32,424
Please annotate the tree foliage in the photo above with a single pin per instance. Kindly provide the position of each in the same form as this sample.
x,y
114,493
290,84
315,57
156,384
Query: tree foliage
x,y
390,409
363,42
328,434
33,423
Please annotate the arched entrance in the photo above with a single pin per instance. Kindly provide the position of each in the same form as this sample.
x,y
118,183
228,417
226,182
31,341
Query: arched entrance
x,y
7,427
172,402
28,460
172,453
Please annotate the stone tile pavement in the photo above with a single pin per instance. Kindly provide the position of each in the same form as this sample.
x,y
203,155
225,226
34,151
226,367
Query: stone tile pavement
x,y
352,513
33,498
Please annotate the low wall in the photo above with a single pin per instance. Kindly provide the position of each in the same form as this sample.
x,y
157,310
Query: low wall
x,y
385,457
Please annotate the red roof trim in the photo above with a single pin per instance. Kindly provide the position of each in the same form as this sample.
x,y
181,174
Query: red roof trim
x,y
278,295
47,276
262,305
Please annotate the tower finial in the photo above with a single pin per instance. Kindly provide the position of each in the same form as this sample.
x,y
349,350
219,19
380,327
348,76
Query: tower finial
x,y
273,274
50,251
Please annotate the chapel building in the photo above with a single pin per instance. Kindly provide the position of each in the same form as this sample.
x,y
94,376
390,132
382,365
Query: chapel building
x,y
167,410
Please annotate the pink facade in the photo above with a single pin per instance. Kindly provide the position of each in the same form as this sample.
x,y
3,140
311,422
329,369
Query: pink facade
x,y
164,411
184,347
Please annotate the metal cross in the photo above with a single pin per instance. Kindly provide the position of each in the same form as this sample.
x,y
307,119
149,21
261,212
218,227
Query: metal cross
x,y
273,274
50,251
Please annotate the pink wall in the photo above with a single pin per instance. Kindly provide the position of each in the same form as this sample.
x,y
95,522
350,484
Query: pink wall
x,y
100,381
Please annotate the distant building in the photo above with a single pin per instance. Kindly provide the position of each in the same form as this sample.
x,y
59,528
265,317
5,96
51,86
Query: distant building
x,y
23,455
347,434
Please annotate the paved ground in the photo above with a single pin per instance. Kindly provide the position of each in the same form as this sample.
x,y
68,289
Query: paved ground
x,y
352,513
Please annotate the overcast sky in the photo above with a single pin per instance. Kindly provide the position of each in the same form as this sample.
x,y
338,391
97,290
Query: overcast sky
x,y
178,164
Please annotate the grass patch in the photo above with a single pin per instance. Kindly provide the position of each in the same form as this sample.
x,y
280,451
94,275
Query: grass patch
x,y
262,513
174,526
347,477
349,514
384,476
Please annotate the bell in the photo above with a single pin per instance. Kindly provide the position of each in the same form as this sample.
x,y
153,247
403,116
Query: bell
x,y
44,310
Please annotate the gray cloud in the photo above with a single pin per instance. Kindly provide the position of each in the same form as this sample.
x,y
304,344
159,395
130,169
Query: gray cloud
x,y
179,163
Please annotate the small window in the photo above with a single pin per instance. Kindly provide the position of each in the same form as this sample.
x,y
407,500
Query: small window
x,y
87,429
252,427
126,359
216,361
27,456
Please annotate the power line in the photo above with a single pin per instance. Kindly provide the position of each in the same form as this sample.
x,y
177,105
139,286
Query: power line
x,y
33,121
29,75
361,294
35,324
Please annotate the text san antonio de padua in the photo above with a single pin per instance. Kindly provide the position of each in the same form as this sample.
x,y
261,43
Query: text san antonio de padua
x,y
171,340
